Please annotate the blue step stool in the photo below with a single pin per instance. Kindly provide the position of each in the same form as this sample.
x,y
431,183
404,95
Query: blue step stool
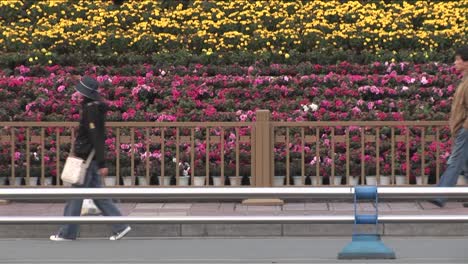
x,y
366,246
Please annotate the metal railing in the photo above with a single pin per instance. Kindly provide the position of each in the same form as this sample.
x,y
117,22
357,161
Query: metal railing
x,y
276,219
238,193
229,193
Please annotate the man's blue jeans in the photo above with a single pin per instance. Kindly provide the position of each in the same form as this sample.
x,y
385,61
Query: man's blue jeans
x,y
73,207
457,163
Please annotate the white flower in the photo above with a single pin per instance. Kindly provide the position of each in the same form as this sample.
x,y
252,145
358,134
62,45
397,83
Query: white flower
x,y
305,108
313,107
424,80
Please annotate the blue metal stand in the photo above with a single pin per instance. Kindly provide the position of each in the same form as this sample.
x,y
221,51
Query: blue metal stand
x,y
366,246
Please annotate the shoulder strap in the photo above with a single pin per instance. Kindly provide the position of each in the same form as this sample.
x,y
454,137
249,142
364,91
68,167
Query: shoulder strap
x,y
90,157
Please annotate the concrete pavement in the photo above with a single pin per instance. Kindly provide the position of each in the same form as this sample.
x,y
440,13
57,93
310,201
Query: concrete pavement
x,y
220,250
241,230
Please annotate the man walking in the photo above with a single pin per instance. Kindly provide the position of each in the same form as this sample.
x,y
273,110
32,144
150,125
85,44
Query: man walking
x,y
458,160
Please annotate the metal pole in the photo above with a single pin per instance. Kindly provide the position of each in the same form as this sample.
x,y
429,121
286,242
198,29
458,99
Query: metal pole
x,y
229,193
274,219
176,193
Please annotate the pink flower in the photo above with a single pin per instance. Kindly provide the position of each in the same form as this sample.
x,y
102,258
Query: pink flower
x,y
61,88
339,103
210,110
17,155
23,69
175,94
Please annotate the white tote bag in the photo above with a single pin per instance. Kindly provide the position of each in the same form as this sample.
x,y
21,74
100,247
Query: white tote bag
x,y
74,170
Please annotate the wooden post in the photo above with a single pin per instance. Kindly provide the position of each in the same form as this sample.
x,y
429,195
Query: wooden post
x,y
263,158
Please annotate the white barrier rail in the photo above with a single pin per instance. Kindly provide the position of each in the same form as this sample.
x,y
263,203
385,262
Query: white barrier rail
x,y
229,193
234,193
310,219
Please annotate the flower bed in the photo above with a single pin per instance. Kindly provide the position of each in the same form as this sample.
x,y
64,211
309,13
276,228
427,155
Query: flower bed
x,y
305,92
344,92
39,33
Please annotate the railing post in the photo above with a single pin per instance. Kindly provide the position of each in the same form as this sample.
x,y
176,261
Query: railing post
x,y
263,151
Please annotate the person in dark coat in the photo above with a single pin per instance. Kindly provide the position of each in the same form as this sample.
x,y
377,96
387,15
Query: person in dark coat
x,y
91,135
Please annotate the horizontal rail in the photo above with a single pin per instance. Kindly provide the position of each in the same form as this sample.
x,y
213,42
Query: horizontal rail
x,y
229,193
175,193
275,219
229,124
130,124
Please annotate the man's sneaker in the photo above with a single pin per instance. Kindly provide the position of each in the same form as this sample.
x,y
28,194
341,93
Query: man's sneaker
x,y
120,234
59,238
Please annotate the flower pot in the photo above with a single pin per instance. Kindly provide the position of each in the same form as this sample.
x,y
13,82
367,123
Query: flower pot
x,y
199,180
420,180
461,180
371,180
278,180
184,180
354,180
337,180
235,180
127,180
217,181
297,180
166,181
18,181
400,179
142,180
48,181
385,180
314,180
3,180
110,181
32,181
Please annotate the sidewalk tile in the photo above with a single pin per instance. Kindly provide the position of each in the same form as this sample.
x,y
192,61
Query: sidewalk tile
x,y
401,206
262,208
143,213
384,207
341,206
227,207
148,206
294,207
205,207
316,206
240,207
173,213
177,206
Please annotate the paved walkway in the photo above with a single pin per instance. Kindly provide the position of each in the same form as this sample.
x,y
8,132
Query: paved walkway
x,y
231,208
242,230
